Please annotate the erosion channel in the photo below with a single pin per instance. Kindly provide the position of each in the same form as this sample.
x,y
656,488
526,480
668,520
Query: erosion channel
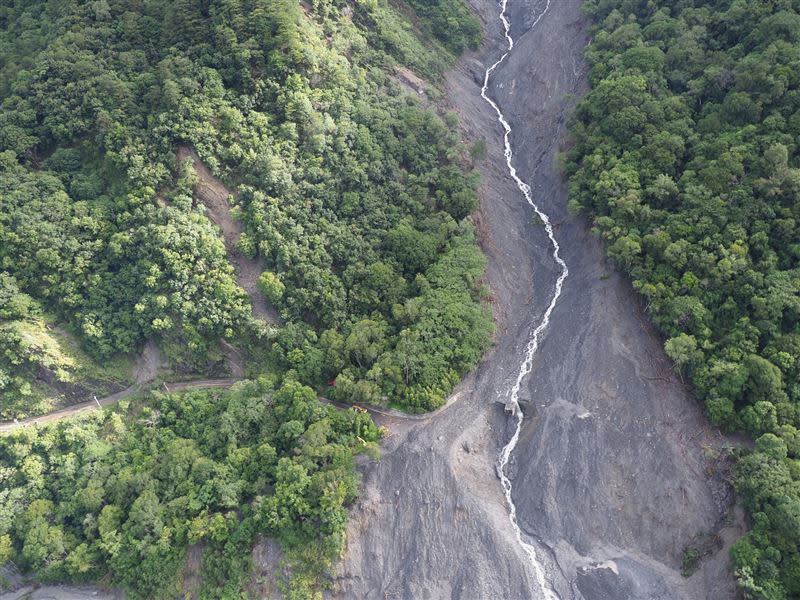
x,y
614,472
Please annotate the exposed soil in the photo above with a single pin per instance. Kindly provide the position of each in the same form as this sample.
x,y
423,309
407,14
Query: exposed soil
x,y
615,472
214,196
191,571
411,82
234,358
148,363
60,592
268,569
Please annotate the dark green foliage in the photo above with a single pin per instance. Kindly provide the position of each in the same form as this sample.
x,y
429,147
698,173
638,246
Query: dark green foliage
x,y
352,195
687,158
451,22
349,189
87,260
689,561
767,559
123,498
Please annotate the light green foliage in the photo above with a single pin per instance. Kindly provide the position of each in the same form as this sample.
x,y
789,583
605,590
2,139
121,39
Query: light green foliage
x,y
124,498
41,364
687,158
271,286
451,22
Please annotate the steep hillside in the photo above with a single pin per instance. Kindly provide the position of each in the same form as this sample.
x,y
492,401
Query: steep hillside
x,y
687,157
348,226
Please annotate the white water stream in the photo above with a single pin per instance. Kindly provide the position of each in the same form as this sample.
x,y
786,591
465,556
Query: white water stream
x,y
533,343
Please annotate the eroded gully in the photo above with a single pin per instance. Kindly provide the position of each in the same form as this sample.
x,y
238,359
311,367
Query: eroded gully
x,y
609,462
533,344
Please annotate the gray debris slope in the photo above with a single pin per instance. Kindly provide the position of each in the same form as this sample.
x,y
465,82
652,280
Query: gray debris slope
x,y
610,476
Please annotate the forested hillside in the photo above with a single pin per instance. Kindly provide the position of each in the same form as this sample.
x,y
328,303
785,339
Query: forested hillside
x,y
119,497
687,157
354,195
40,363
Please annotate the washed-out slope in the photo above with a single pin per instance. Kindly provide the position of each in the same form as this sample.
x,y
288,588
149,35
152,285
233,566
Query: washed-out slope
x,y
214,196
610,477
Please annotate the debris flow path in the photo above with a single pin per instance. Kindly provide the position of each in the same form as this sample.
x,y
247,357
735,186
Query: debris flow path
x,y
533,343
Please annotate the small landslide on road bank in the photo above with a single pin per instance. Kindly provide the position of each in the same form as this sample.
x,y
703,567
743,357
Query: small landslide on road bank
x,y
615,470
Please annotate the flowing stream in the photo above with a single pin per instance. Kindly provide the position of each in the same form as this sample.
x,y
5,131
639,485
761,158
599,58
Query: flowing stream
x,y
533,343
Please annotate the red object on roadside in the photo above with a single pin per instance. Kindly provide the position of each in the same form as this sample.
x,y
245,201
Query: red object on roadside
x,y
332,382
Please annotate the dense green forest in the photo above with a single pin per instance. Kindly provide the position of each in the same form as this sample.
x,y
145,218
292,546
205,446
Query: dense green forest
x,y
120,496
687,157
354,194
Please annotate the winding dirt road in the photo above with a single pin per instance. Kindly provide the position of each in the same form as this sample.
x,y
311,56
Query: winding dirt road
x,y
148,364
91,405
214,196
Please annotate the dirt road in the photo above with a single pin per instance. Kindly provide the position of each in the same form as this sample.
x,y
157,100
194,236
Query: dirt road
x,y
94,404
148,364
610,474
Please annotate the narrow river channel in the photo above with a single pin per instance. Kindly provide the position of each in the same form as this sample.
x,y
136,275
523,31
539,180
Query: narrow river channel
x,y
533,343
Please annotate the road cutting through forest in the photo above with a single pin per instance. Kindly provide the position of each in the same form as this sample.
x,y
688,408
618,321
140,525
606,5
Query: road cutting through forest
x,y
606,473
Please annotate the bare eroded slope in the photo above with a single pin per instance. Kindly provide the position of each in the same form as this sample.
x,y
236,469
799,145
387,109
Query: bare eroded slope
x,y
615,470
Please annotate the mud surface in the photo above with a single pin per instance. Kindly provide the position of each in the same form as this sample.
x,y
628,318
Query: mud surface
x,y
58,592
614,472
610,477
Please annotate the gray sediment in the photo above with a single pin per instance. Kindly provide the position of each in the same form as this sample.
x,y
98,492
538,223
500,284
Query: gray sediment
x,y
615,472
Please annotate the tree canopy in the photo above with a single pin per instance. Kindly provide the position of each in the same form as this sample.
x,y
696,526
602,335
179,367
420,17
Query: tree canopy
x,y
353,195
687,159
118,498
